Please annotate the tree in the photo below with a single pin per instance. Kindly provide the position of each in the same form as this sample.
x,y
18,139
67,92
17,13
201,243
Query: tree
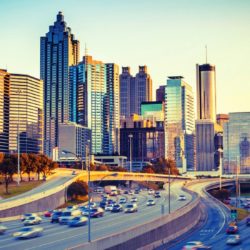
x,y
102,168
8,167
163,165
221,195
43,163
31,164
76,189
148,169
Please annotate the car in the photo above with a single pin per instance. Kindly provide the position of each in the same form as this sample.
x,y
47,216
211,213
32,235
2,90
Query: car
x,y
68,215
105,196
32,220
248,221
233,240
133,199
151,191
113,193
192,245
92,204
150,203
55,216
122,200
73,207
28,232
157,194
181,197
130,192
131,208
117,208
48,213
96,212
73,172
2,229
103,204
110,201
77,221
125,191
25,216
109,207
232,230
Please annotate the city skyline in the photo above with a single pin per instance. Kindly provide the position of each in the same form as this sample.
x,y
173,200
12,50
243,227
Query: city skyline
x,y
223,25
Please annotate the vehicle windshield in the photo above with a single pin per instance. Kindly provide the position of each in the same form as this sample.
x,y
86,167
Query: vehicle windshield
x,y
57,213
129,206
26,215
116,206
93,210
26,229
76,218
31,218
66,214
150,201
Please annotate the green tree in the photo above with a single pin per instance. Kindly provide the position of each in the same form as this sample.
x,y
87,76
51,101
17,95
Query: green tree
x,y
76,189
8,167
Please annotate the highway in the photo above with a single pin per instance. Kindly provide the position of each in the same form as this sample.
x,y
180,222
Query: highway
x,y
57,236
212,227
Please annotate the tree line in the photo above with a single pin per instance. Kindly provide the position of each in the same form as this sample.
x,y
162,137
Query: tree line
x,y
29,163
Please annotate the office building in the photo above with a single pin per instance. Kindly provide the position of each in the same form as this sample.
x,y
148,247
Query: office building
x,y
111,142
143,89
206,92
179,122
26,114
73,138
153,111
160,94
58,51
4,110
236,144
221,119
127,82
146,136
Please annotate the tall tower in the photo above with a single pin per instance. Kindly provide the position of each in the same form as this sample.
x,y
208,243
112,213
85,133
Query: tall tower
x,y
143,89
206,92
58,51
4,110
179,121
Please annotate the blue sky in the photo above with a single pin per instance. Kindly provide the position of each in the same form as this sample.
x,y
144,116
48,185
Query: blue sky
x,y
167,35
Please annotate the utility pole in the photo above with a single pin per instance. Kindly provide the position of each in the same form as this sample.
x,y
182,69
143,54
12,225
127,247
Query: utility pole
x,y
130,144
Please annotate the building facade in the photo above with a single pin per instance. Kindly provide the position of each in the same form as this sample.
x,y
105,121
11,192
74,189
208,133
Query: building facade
x,y
4,110
58,51
236,144
26,114
179,122
73,138
160,94
221,119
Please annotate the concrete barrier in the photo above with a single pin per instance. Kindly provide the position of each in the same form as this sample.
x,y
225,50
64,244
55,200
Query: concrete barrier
x,y
151,234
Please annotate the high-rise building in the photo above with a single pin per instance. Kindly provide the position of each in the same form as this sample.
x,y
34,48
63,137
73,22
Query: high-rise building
x,y
179,122
89,79
153,111
221,119
127,82
111,143
143,89
206,92
206,117
58,51
26,114
160,94
4,110
236,144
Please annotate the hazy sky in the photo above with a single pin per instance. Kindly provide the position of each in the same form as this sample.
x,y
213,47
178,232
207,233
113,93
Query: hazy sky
x,y
167,35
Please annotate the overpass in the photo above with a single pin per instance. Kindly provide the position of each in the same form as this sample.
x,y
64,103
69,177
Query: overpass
x,y
53,193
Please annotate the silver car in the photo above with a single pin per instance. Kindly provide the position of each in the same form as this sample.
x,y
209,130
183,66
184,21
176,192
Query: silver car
x,y
28,232
32,220
2,229
233,240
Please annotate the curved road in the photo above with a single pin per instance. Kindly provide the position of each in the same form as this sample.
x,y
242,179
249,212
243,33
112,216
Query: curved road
x,y
61,236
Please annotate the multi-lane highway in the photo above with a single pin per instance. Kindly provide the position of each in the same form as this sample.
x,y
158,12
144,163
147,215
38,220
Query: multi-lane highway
x,y
212,228
57,236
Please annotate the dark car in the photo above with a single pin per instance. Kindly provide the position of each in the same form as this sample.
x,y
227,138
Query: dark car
x,y
117,208
110,201
248,221
55,216
157,194
103,204
232,230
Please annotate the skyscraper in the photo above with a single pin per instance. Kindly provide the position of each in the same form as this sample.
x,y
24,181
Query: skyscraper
x,y
112,110
179,122
206,92
160,94
58,51
4,110
26,114
143,89
126,101
206,117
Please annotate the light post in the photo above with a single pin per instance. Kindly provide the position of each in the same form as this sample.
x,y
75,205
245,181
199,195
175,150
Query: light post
x,y
169,209
130,144
19,91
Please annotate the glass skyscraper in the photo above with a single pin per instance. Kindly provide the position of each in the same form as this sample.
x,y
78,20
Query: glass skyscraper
x,y
26,114
179,122
236,143
58,51
4,110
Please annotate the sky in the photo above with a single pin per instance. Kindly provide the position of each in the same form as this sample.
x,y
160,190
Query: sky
x,y
169,36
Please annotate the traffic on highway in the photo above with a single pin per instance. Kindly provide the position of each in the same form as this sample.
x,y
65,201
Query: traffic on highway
x,y
63,228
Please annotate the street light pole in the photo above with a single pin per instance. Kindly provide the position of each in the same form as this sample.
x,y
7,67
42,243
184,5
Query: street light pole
x,y
220,163
88,166
130,144
18,141
169,209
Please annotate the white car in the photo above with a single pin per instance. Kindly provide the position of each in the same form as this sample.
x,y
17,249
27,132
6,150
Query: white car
x,y
28,232
182,197
150,203
109,207
32,220
131,208
122,200
192,245
233,240
151,191
133,199
25,216
2,229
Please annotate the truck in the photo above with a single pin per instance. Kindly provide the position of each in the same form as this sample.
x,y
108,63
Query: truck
x,y
112,190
